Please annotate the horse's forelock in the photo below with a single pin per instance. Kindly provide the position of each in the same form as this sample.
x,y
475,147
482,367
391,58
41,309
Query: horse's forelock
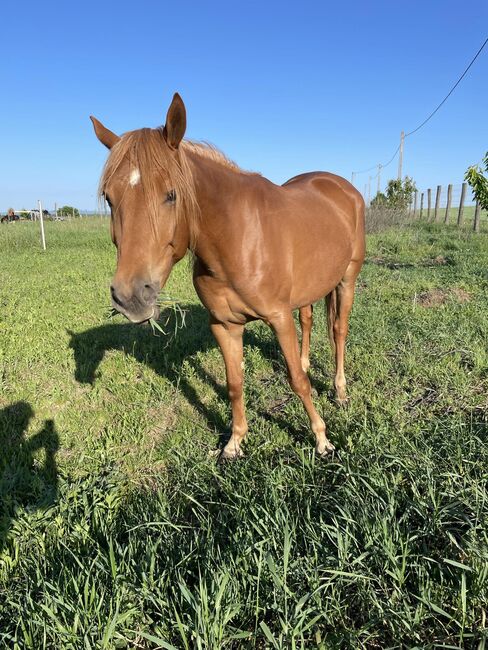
x,y
146,150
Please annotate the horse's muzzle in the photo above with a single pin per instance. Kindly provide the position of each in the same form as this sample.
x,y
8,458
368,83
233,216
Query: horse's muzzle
x,y
137,303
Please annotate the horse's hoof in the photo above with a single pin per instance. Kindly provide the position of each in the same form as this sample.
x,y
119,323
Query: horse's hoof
x,y
325,450
342,402
231,454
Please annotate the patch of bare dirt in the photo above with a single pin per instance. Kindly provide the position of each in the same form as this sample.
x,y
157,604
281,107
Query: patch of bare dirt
x,y
440,260
436,297
461,295
390,264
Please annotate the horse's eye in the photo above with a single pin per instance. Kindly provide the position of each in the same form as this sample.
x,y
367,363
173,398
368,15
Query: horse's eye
x,y
171,196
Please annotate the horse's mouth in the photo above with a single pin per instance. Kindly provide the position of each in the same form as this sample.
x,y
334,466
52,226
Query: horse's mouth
x,y
152,313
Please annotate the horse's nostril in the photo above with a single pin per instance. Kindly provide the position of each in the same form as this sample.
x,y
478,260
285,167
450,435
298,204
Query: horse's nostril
x,y
148,293
115,298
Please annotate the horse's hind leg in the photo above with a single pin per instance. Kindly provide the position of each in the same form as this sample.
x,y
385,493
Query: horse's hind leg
x,y
306,321
339,307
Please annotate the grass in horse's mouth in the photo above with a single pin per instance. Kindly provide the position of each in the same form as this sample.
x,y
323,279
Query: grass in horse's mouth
x,y
170,318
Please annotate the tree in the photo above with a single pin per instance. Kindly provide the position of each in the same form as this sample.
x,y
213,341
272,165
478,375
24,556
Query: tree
x,y
398,194
68,211
379,199
479,182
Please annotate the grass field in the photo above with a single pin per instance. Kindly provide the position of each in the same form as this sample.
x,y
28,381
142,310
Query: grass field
x,y
118,529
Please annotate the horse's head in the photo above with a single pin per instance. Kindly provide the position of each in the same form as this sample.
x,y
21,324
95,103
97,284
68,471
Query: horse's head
x,y
147,183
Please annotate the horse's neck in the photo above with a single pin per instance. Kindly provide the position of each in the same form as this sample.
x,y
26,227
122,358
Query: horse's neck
x,y
217,189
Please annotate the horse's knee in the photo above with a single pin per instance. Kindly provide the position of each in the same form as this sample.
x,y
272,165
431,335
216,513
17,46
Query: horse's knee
x,y
306,317
300,384
234,389
340,329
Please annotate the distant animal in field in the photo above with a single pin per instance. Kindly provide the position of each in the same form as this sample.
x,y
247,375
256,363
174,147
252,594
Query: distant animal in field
x,y
9,217
261,250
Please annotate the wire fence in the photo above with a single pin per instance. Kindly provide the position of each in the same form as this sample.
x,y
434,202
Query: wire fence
x,y
456,192
448,204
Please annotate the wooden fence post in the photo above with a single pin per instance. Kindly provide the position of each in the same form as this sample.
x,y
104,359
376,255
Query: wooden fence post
x,y
421,205
448,204
477,212
415,204
460,220
429,202
437,201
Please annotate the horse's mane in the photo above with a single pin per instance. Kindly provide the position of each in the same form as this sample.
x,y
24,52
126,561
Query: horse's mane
x,y
146,150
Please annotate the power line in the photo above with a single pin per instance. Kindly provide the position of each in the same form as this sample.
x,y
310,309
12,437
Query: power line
x,y
392,158
363,171
450,92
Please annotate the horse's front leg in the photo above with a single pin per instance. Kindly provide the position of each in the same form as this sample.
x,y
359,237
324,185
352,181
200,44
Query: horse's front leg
x,y
284,327
229,338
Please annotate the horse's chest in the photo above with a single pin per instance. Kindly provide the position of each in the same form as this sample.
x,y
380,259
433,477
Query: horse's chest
x,y
221,300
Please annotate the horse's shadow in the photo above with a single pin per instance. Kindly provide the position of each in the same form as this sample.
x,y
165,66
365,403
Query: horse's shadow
x,y
23,480
166,354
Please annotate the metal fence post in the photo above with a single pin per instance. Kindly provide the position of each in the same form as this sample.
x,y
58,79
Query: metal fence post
x,y
41,219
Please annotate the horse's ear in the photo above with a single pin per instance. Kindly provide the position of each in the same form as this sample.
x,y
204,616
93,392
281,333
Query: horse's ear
x,y
175,126
105,136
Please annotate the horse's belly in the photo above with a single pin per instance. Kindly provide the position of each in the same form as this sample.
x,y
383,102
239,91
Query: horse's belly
x,y
317,271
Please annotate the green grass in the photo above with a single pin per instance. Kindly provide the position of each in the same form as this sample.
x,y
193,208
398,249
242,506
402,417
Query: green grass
x,y
119,530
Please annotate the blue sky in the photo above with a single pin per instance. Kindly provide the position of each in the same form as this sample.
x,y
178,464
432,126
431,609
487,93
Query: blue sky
x,y
280,87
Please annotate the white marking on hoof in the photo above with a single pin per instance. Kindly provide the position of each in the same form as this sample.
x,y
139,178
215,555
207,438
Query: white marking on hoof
x,y
135,177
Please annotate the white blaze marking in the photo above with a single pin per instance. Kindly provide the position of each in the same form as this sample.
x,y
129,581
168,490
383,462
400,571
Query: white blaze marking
x,y
135,177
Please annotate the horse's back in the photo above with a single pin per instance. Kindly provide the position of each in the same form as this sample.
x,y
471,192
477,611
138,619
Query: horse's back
x,y
331,187
340,201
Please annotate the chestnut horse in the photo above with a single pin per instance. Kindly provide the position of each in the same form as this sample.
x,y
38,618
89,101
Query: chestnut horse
x,y
261,250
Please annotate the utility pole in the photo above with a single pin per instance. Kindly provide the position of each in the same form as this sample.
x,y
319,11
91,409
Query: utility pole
x,y
400,157
352,178
369,191
379,178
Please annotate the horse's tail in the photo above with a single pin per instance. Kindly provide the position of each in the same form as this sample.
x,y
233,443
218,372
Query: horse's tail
x,y
331,304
